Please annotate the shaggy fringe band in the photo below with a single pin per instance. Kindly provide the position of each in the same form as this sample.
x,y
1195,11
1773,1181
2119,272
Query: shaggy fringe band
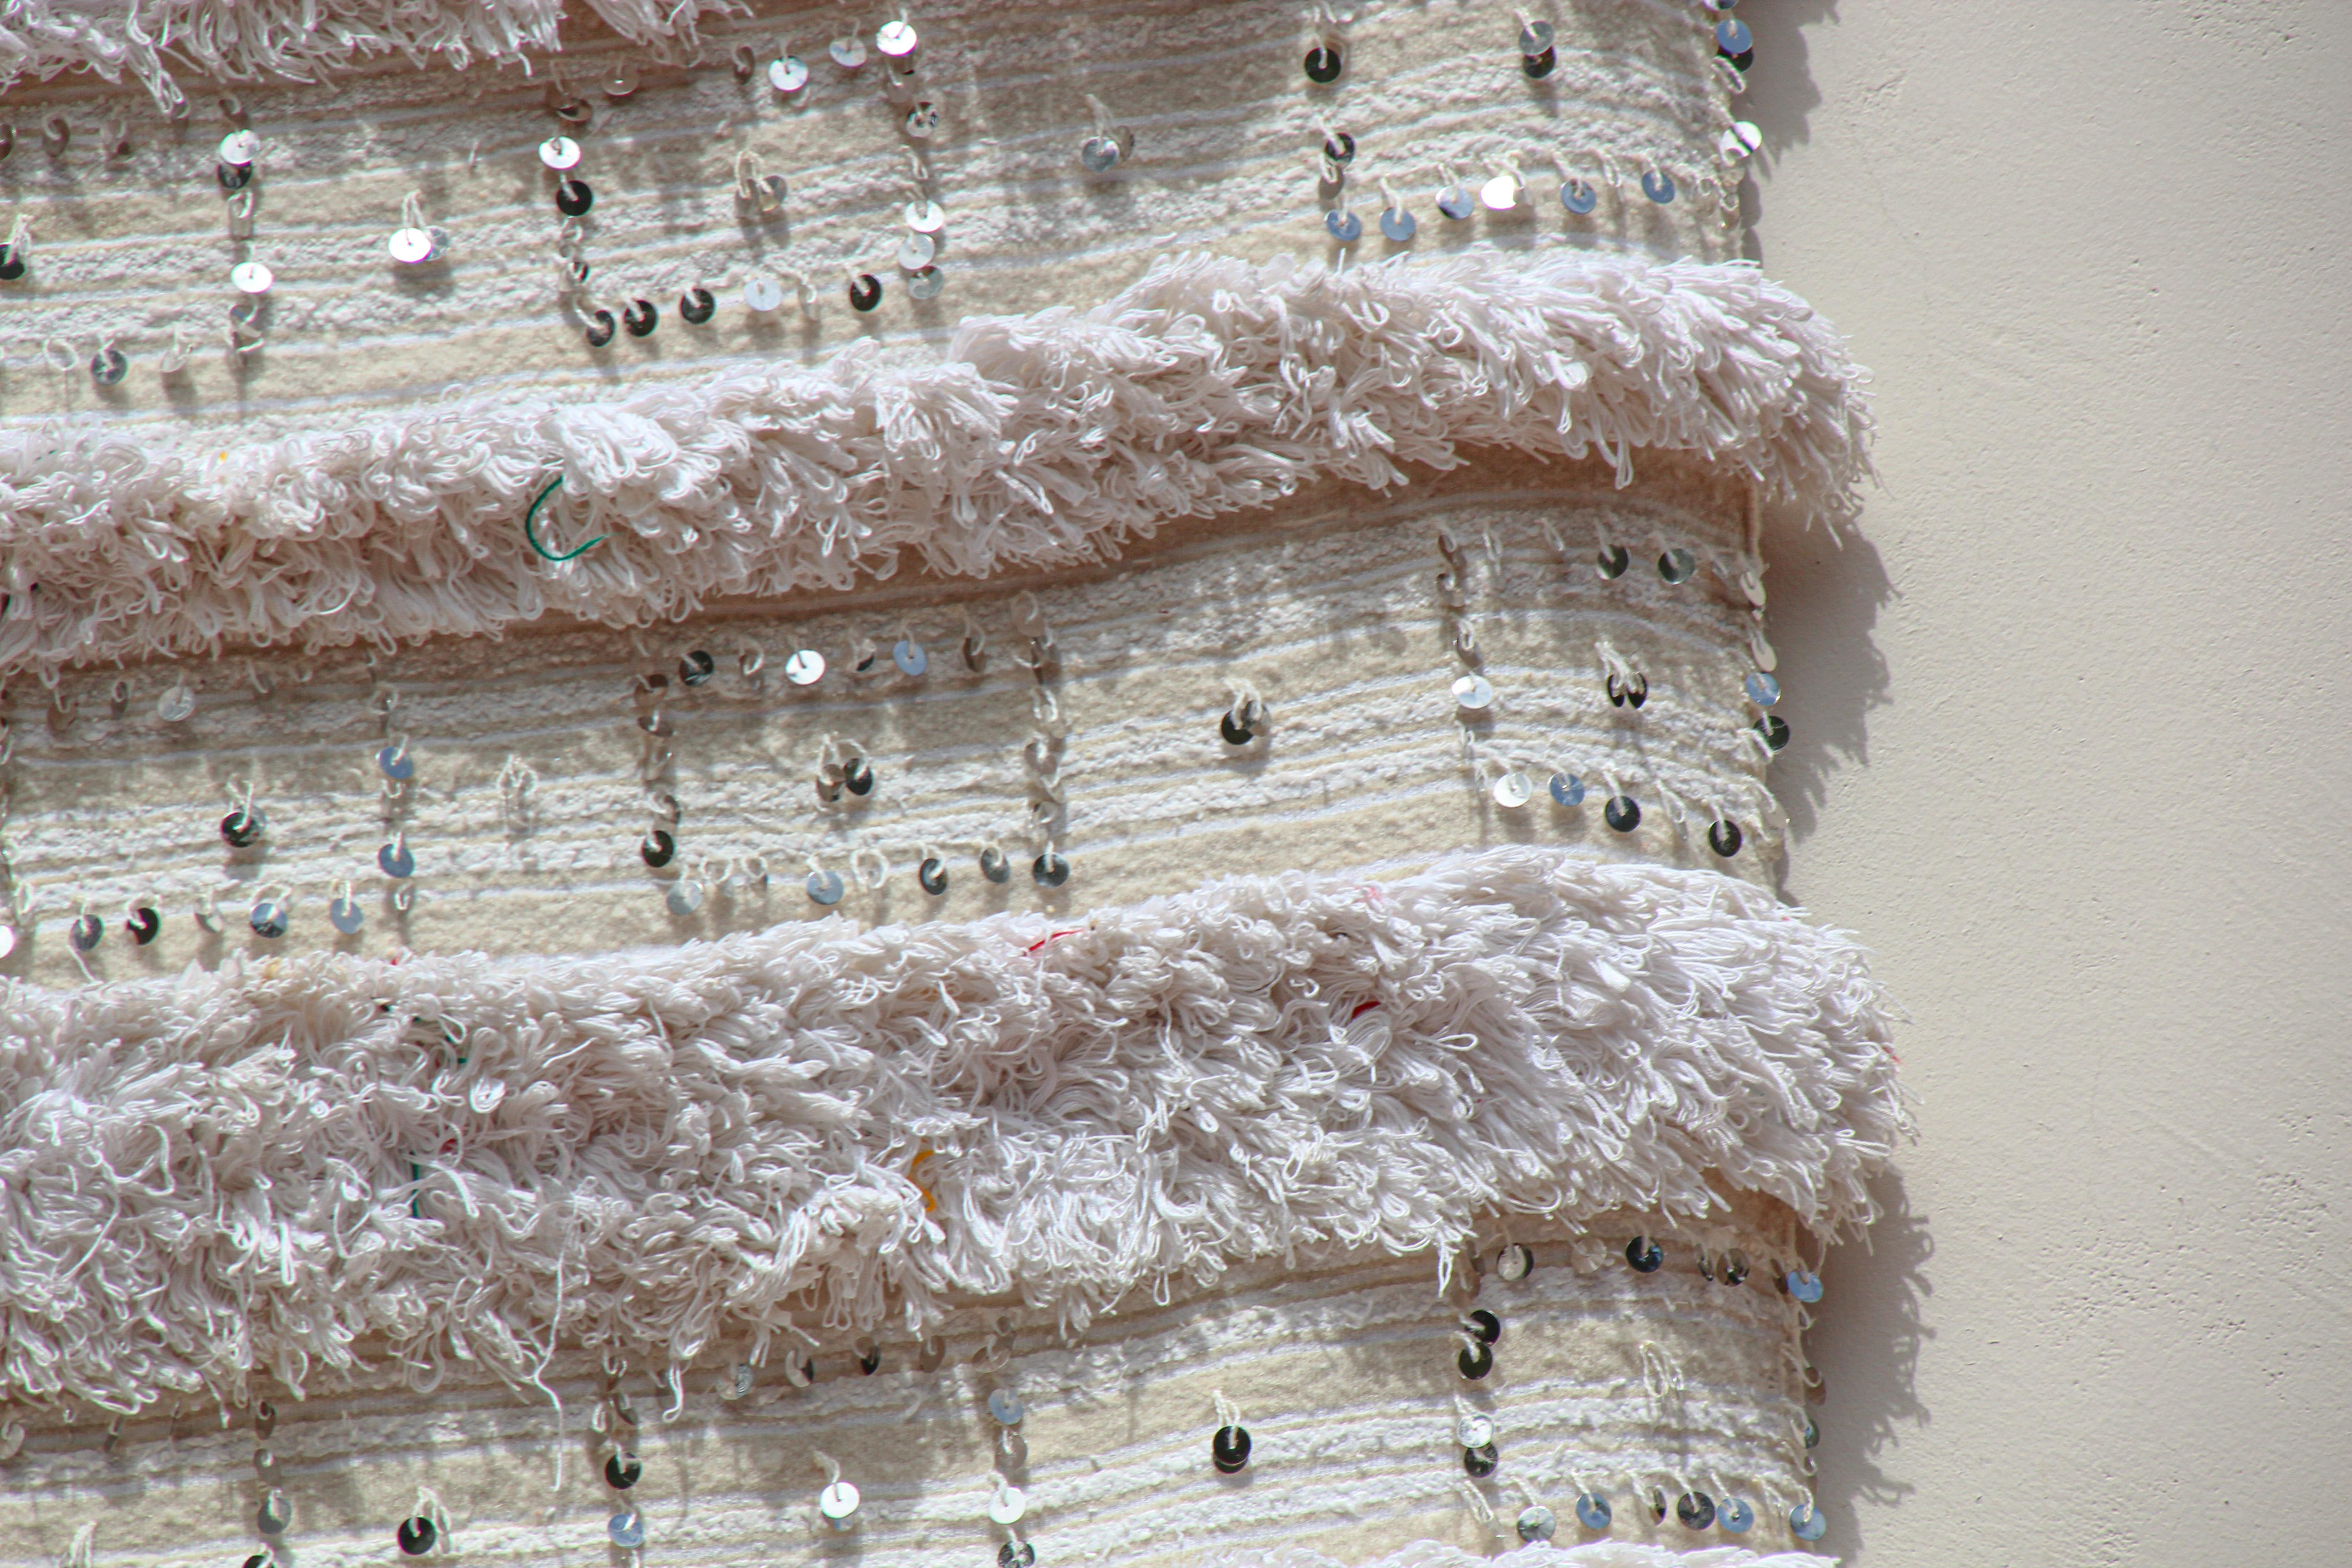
x,y
815,1126
302,40
1208,387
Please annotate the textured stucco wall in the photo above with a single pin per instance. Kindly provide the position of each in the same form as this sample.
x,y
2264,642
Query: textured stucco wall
x,y
2075,753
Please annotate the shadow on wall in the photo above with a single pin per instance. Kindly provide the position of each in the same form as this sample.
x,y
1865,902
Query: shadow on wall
x,y
1825,583
1780,96
1865,1343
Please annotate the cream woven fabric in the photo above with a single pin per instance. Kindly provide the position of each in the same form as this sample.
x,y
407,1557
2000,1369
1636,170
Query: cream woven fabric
x,y
522,1170
1623,1385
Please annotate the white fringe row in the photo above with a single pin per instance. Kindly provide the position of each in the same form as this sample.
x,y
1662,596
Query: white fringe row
x,y
815,1127
1208,387
304,40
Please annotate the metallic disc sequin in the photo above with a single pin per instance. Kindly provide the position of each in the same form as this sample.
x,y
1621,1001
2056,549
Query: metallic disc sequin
x,y
1473,692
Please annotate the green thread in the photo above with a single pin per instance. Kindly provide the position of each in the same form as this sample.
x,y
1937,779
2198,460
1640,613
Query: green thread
x,y
530,516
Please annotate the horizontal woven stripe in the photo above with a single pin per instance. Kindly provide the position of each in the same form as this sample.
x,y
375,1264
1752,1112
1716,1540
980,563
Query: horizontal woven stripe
x,y
131,249
1604,1379
1328,609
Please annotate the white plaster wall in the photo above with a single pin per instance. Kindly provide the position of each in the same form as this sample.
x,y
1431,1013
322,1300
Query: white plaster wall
x,y
2075,752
